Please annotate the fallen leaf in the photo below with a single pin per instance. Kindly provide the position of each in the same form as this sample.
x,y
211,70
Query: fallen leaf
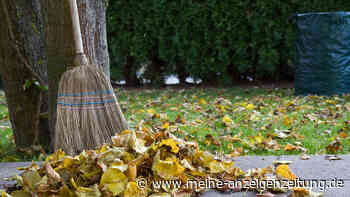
x,y
132,190
332,157
304,157
170,168
227,120
285,172
170,143
202,102
290,147
250,107
114,181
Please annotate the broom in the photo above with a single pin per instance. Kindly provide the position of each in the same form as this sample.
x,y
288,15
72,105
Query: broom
x,y
88,113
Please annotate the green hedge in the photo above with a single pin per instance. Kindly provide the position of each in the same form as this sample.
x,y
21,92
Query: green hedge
x,y
216,40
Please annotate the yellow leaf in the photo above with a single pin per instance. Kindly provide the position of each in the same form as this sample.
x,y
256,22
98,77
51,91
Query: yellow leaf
x,y
103,149
222,108
65,191
204,158
215,167
284,172
303,192
21,193
330,102
67,162
114,181
286,121
74,184
170,143
259,138
137,144
133,191
290,103
59,154
250,107
120,166
91,191
169,168
30,179
229,167
122,138
290,147
227,120
202,101
198,173
4,194
343,135
151,111
186,164
207,142
165,126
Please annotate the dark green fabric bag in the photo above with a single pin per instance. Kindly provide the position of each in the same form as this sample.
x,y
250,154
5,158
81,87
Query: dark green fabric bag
x,y
322,53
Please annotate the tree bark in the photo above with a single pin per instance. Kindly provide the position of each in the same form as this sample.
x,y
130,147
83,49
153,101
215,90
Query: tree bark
x,y
23,58
60,45
129,73
36,43
181,72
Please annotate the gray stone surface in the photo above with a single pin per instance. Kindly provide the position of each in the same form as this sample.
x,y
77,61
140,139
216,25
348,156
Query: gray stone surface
x,y
9,169
317,167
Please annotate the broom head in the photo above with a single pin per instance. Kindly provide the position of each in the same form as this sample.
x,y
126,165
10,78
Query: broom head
x,y
88,113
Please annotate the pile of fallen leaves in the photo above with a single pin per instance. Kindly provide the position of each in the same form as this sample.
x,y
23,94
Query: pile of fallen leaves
x,y
141,154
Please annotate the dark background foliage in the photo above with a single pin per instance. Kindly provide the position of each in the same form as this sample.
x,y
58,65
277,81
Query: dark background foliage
x,y
220,42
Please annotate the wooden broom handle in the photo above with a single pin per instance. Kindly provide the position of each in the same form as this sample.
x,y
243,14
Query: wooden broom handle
x,y
80,58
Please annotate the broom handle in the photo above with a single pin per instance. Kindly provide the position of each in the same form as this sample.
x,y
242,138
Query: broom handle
x,y
80,58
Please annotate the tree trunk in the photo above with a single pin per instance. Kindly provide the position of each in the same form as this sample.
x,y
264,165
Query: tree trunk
x,y
23,59
129,73
60,45
93,22
181,71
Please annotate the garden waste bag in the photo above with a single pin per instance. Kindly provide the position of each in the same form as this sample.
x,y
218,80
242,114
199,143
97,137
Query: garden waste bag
x,y
322,53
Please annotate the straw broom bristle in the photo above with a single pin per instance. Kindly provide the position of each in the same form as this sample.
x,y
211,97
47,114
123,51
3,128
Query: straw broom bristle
x,y
88,113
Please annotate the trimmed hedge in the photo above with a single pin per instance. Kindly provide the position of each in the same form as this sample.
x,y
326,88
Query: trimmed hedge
x,y
215,40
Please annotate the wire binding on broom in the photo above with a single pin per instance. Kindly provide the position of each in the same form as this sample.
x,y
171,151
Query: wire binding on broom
x,y
89,100
102,92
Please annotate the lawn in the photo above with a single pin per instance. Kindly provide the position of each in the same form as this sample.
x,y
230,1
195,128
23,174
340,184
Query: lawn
x,y
234,121
251,121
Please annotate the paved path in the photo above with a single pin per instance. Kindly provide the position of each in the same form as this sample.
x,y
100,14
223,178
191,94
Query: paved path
x,y
315,168
7,170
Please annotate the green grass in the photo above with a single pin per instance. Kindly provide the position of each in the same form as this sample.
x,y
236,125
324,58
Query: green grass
x,y
7,145
313,123
309,117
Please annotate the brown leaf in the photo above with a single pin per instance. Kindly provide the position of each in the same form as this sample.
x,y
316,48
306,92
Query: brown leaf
x,y
51,173
332,157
